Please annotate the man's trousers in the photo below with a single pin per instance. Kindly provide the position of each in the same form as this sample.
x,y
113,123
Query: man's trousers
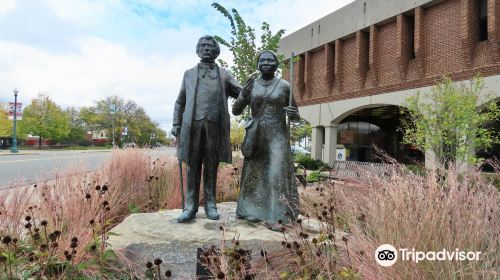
x,y
204,152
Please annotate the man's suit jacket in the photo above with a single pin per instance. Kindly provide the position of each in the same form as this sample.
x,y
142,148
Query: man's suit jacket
x,y
184,110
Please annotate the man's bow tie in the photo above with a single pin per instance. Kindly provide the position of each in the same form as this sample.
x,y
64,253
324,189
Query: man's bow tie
x,y
208,68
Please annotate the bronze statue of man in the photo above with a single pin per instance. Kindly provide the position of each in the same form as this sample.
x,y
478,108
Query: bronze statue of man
x,y
201,119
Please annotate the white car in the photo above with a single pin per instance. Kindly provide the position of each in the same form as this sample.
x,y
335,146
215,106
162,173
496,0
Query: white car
x,y
299,150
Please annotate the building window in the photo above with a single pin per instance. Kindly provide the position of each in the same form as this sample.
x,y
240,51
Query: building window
x,y
411,36
366,55
483,19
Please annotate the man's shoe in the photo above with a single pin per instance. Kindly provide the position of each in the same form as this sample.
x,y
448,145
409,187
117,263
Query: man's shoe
x,y
186,216
212,213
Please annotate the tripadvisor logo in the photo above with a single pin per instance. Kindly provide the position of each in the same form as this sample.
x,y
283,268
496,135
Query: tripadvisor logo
x,y
387,255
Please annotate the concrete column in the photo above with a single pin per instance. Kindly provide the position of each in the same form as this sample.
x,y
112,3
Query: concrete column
x,y
330,144
317,143
430,159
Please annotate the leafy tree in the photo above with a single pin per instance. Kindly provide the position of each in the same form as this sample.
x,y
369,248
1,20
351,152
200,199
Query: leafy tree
x,y
5,123
300,130
242,43
45,119
76,126
141,129
449,122
237,133
244,48
90,119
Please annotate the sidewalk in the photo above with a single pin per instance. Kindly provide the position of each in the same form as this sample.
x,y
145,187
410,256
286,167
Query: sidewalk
x,y
47,151
21,152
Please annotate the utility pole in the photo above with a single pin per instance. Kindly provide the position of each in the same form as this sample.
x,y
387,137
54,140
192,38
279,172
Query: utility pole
x,y
112,110
14,138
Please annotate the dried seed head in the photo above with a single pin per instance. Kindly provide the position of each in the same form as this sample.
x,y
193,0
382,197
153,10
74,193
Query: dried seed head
x,y
6,239
157,261
220,275
44,223
168,273
149,265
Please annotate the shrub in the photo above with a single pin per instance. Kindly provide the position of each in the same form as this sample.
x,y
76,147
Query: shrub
x,y
309,163
313,176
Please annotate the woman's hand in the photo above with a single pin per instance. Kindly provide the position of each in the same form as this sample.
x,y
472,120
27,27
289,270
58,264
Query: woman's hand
x,y
247,88
292,112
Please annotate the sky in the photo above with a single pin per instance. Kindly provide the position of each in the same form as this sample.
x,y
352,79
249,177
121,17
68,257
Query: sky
x,y
79,51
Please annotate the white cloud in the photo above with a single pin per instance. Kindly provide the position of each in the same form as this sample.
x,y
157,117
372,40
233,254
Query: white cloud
x,y
101,69
116,52
6,6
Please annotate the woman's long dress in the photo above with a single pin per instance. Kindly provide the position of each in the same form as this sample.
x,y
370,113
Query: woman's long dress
x,y
268,190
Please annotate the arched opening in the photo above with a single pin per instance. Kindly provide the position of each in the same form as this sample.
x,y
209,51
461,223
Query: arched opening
x,y
365,130
493,152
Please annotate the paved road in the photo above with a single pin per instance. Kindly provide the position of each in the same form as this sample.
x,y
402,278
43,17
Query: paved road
x,y
28,165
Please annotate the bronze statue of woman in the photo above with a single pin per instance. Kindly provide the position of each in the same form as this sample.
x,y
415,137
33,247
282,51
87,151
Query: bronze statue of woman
x,y
268,190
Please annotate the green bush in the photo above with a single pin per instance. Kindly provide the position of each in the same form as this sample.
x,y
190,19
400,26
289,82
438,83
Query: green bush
x,y
313,176
308,162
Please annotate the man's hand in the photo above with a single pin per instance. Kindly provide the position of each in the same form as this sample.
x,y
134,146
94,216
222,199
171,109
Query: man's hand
x,y
176,130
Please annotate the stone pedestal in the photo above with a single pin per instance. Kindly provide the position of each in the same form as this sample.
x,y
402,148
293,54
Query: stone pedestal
x,y
146,236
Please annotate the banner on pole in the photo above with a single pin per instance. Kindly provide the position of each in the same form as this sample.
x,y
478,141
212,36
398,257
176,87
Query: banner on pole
x,y
19,112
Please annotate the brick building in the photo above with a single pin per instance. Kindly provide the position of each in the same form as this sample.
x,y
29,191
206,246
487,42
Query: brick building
x,y
358,64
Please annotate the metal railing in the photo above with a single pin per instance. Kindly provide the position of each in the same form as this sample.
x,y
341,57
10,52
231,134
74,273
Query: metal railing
x,y
343,169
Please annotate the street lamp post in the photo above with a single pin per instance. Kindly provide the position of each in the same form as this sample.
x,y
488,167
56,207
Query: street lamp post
x,y
14,138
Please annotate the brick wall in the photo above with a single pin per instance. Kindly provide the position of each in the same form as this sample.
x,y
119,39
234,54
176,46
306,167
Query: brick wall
x,y
380,58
